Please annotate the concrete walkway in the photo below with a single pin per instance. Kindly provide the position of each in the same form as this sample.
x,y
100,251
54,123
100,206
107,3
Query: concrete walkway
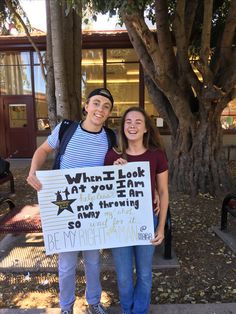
x,y
222,308
19,163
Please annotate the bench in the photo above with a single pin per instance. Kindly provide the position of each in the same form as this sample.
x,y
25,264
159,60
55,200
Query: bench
x,y
19,220
168,236
228,206
27,220
8,177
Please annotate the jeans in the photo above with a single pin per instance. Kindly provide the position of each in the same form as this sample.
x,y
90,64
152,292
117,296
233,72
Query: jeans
x,y
67,263
135,295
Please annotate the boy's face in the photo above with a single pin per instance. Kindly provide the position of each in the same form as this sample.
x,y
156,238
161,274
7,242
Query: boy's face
x,y
98,109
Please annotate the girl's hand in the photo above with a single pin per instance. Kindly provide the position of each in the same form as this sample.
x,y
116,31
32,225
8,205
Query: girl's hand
x,y
159,237
120,161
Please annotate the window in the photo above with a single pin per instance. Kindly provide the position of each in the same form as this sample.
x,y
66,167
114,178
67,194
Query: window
x,y
92,71
122,79
118,70
40,95
15,73
17,115
228,117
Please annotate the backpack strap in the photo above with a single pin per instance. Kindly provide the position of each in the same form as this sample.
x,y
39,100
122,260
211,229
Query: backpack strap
x,y
111,137
64,126
67,129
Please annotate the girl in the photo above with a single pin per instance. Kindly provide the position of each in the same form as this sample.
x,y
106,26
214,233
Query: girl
x,y
140,141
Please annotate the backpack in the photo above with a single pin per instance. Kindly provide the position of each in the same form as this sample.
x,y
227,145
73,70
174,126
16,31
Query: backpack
x,y
4,167
67,129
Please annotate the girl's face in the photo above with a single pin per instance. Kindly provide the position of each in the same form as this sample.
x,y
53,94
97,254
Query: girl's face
x,y
134,126
98,109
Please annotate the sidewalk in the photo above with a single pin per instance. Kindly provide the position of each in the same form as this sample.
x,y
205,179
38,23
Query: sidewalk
x,y
210,308
16,163
222,308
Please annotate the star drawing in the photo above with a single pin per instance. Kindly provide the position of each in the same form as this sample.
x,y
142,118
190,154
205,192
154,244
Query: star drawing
x,y
64,205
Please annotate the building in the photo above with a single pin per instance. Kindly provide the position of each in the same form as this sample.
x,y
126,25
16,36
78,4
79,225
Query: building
x,y
107,59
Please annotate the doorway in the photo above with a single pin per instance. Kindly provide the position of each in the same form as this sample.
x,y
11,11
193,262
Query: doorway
x,y
20,135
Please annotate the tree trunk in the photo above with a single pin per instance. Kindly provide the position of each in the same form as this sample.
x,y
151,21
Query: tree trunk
x,y
195,89
191,107
203,167
64,41
50,83
63,109
73,42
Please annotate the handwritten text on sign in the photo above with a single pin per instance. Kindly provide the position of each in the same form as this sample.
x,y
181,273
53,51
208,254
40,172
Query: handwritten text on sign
x,y
94,208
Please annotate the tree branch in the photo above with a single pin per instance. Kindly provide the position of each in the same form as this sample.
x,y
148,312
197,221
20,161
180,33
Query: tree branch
x,y
164,37
162,104
227,78
166,84
136,24
190,13
205,51
140,49
206,32
229,32
182,47
224,61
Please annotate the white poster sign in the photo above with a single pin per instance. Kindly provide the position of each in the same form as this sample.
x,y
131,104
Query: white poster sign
x,y
96,207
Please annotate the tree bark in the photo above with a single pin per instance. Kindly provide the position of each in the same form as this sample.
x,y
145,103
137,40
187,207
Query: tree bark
x,y
50,83
61,89
72,35
197,161
202,168
64,60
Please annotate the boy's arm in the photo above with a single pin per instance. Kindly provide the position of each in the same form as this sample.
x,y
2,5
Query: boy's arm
x,y
38,160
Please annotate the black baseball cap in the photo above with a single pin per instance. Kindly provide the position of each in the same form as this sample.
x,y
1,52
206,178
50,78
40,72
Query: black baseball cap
x,y
102,92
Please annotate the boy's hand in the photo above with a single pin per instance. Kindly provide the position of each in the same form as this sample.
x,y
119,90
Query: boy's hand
x,y
34,181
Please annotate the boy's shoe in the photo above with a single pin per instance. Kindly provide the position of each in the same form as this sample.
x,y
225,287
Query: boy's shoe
x,y
66,311
96,309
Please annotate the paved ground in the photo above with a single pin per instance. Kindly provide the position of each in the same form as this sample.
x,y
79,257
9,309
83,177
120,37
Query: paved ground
x,y
222,308
226,308
19,163
26,253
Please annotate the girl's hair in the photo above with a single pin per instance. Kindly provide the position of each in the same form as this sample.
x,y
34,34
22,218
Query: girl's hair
x,y
151,139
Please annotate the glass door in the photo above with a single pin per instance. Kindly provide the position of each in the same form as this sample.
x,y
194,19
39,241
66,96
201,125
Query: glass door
x,y
20,128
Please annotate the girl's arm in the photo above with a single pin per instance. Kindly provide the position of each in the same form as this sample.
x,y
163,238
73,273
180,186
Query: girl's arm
x,y
163,193
156,203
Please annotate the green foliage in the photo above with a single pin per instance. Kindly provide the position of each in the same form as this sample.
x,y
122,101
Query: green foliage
x,y
7,17
220,10
147,9
117,6
73,5
3,17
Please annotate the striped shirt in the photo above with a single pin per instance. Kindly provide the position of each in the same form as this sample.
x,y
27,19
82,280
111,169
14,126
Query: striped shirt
x,y
85,149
